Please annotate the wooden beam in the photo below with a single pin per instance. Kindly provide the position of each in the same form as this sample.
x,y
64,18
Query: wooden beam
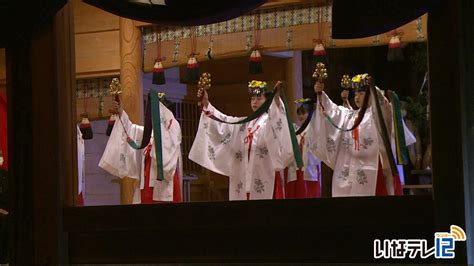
x,y
317,229
98,74
93,106
97,52
89,19
97,41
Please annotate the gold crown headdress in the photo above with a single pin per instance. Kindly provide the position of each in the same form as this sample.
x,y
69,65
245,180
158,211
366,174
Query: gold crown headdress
x,y
257,87
360,82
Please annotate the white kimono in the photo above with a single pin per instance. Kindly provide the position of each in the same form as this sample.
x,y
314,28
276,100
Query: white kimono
x,y
121,160
249,154
355,165
80,163
312,165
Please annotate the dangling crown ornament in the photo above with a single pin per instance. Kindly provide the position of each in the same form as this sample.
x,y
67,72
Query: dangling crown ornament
x,y
205,81
346,82
115,89
320,73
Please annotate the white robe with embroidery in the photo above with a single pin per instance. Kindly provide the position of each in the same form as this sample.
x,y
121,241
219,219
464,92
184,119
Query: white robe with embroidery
x,y
224,149
312,165
355,171
121,160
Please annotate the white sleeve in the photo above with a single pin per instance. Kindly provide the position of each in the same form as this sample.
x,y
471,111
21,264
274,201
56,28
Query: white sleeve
x,y
215,144
323,137
277,137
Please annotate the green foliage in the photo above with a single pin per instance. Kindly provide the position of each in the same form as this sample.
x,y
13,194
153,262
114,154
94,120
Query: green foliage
x,y
418,57
417,112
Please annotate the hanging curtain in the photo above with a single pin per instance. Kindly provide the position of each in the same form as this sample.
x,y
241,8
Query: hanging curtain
x,y
364,18
178,12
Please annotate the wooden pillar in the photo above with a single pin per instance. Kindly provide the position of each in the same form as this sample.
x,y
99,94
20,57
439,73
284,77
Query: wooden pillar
x,y
40,88
66,81
451,85
132,91
19,124
131,70
294,82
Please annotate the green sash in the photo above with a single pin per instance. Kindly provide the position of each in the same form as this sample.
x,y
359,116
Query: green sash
x,y
400,144
155,109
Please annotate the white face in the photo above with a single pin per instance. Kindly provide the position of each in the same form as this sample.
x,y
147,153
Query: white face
x,y
359,98
302,117
319,86
256,102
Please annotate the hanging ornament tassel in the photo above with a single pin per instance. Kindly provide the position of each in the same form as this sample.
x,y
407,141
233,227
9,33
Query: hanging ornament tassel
x,y
255,63
192,68
110,124
210,53
158,70
395,53
319,53
85,127
158,73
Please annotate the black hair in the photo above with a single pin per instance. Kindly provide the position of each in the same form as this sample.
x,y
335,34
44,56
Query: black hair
x,y
306,108
364,88
169,104
267,94
302,110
